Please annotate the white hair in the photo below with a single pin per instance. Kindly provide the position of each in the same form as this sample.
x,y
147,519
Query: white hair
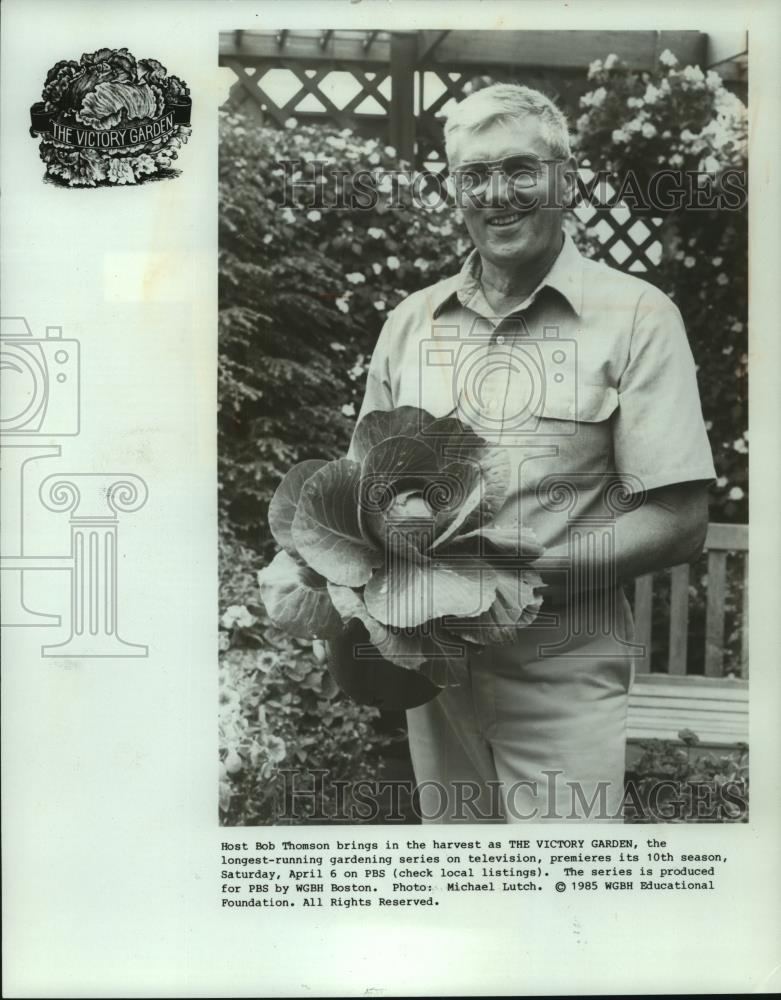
x,y
504,102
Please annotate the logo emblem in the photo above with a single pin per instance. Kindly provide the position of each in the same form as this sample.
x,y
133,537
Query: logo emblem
x,y
110,120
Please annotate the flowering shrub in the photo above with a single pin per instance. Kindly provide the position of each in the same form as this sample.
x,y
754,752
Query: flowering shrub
x,y
677,781
303,294
687,120
279,712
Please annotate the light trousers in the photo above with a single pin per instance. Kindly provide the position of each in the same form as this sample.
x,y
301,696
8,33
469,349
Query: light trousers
x,y
530,734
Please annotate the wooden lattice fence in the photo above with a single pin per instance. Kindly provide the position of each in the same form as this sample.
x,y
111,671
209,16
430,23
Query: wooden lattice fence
x,y
396,86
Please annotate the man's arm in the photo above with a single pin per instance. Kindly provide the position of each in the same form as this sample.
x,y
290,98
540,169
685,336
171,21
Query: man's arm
x,y
668,529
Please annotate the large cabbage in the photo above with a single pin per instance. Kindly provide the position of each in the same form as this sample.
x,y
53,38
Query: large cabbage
x,y
397,548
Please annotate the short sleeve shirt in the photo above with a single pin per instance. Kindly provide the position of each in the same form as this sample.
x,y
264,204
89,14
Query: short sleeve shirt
x,y
589,381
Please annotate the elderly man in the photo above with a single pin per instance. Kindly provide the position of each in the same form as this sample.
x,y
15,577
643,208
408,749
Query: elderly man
x,y
585,375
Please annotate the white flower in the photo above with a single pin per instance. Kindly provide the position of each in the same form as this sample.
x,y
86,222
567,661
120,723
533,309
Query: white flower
x,y
736,493
390,151
377,268
594,99
689,261
385,185
356,278
288,215
620,135
676,160
314,215
648,130
348,409
379,305
740,446
722,279
420,264
727,350
376,234
291,122
237,615
634,102
652,94
374,159
709,165
721,481
594,68
343,304
716,261
687,135
737,327
335,142
713,80
611,60
693,74
668,59
393,263
268,238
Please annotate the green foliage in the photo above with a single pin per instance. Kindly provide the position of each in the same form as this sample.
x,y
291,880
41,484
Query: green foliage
x,y
303,294
279,711
676,782
687,121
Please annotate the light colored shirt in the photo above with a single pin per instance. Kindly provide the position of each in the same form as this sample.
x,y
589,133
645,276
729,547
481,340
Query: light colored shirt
x,y
589,379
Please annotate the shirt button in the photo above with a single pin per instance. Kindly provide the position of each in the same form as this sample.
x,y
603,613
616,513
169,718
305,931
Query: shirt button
x,y
500,339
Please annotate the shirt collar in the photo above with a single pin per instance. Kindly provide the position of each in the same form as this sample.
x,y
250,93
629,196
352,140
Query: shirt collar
x,y
565,276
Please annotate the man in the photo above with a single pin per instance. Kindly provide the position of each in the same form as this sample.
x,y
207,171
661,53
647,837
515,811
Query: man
x,y
585,375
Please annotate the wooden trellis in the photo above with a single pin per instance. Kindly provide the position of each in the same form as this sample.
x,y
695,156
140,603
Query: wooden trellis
x,y
410,76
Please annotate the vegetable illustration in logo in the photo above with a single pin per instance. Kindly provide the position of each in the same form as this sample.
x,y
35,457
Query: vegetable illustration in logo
x,y
395,557
110,119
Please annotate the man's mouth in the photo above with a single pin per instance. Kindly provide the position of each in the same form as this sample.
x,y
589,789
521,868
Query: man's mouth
x,y
506,219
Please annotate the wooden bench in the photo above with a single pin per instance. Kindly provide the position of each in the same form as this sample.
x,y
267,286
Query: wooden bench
x,y
713,706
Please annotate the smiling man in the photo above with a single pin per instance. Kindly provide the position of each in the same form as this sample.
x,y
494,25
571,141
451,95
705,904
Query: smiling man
x,y
584,374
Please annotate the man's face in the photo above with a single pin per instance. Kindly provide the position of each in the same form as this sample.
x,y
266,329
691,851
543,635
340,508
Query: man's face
x,y
512,227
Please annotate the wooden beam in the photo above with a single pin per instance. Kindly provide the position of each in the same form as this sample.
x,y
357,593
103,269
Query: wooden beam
x,y
428,41
567,49
403,55
729,537
258,47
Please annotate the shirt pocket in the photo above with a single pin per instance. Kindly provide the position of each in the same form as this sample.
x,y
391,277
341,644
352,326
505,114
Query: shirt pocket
x,y
589,403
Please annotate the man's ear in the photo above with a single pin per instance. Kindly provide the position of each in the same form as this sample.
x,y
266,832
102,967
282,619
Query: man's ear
x,y
570,187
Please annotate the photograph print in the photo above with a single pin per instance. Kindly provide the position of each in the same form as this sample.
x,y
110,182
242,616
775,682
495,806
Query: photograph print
x,y
483,427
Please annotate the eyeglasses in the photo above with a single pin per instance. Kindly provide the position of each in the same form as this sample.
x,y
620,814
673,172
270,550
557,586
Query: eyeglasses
x,y
521,170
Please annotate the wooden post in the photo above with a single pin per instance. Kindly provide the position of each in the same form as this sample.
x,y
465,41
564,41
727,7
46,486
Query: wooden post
x,y
643,610
679,618
403,51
